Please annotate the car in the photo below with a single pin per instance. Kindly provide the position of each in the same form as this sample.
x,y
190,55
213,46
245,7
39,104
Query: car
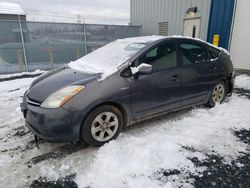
x,y
127,81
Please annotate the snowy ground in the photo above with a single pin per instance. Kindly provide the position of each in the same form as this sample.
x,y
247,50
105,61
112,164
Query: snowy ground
x,y
5,77
192,148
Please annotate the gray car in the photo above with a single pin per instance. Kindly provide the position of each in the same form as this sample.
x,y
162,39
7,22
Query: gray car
x,y
125,82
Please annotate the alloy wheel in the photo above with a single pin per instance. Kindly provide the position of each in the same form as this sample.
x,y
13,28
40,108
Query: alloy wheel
x,y
104,126
218,93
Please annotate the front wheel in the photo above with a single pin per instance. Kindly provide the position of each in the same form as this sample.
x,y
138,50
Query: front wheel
x,y
217,95
101,125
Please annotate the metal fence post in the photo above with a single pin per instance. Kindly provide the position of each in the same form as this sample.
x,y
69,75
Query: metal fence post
x,y
85,36
140,30
22,39
115,29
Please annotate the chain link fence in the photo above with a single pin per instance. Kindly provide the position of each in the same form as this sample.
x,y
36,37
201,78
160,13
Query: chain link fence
x,y
27,46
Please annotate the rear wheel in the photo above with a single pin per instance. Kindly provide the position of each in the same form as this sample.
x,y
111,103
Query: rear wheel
x,y
218,94
101,125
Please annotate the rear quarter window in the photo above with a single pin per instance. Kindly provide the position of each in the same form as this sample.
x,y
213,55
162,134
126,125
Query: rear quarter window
x,y
193,53
213,52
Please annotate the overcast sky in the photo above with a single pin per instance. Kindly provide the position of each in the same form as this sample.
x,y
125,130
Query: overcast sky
x,y
93,11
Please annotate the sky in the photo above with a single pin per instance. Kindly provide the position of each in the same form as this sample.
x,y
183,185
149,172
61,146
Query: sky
x,y
93,11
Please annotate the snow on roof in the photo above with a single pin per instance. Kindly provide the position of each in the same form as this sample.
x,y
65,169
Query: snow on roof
x,y
11,8
108,58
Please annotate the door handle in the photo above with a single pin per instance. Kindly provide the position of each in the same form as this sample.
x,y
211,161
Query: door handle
x,y
175,78
213,69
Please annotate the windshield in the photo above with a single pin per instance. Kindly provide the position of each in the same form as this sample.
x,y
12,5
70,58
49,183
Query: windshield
x,y
108,58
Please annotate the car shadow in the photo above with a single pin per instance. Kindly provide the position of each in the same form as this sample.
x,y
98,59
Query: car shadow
x,y
59,151
171,116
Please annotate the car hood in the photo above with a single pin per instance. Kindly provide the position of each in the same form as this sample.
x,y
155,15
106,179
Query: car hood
x,y
52,81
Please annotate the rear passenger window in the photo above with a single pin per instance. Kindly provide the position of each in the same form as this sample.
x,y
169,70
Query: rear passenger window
x,y
213,52
193,53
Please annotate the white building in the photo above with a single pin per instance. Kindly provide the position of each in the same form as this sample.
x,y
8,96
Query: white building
x,y
10,11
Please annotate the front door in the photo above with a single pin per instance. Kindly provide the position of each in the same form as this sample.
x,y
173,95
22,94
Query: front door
x,y
161,90
191,27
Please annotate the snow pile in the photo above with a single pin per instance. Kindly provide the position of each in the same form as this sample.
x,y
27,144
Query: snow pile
x,y
243,81
10,114
107,59
16,75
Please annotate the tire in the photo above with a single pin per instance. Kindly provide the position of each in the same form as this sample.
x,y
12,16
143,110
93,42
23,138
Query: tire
x,y
101,125
218,94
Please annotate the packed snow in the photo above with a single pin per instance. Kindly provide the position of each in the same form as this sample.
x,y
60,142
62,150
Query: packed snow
x,y
243,81
134,158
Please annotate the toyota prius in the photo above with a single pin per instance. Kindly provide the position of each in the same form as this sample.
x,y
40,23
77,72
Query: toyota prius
x,y
127,81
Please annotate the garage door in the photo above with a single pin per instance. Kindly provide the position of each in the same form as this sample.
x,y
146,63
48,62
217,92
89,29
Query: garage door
x,y
240,44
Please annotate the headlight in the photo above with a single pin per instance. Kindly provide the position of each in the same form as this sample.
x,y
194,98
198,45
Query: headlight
x,y
60,97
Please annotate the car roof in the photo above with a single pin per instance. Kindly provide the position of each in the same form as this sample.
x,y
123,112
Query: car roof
x,y
157,38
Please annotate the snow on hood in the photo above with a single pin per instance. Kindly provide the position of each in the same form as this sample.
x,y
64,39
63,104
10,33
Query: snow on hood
x,y
108,58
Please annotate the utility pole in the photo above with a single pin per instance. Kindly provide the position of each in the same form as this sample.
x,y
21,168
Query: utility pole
x,y
22,39
85,35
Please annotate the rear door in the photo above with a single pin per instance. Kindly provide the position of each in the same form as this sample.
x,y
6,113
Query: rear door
x,y
161,90
199,72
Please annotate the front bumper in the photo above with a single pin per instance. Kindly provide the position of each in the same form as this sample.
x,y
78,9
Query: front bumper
x,y
52,125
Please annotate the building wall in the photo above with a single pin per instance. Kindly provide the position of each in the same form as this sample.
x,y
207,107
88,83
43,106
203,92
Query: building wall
x,y
149,13
240,43
221,16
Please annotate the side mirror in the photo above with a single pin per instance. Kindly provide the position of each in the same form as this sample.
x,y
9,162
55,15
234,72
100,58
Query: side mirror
x,y
142,69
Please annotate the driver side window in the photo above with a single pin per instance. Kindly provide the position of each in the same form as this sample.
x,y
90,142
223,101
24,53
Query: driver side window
x,y
161,57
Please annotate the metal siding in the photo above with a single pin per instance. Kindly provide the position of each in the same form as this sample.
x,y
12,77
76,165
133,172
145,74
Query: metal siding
x,y
149,13
240,43
205,8
221,14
